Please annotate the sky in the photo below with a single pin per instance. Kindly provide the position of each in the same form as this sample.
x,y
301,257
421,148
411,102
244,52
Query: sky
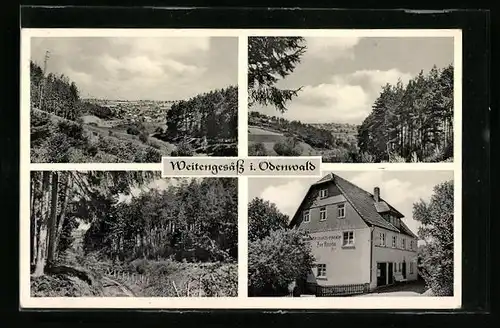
x,y
342,76
138,68
399,188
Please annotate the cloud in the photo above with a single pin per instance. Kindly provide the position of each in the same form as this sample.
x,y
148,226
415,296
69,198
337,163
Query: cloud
x,y
287,196
331,48
345,98
160,47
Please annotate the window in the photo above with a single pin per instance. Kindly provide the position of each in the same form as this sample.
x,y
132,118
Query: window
x,y
322,214
411,244
321,270
323,193
394,240
382,239
403,243
394,267
307,217
348,238
400,267
411,267
341,211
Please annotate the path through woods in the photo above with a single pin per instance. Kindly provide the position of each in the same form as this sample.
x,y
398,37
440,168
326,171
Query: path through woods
x,y
112,288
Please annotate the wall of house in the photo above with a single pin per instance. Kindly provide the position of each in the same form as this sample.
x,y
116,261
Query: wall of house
x,y
396,255
344,265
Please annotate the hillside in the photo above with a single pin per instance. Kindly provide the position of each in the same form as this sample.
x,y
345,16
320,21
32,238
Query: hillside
x,y
66,128
335,142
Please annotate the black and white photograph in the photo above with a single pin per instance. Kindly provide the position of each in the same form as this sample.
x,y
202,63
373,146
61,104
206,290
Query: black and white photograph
x,y
352,233
132,99
352,99
132,234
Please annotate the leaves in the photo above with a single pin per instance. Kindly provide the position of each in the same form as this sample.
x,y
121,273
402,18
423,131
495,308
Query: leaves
x,y
271,59
436,256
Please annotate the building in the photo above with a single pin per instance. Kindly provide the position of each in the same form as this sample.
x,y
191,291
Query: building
x,y
356,237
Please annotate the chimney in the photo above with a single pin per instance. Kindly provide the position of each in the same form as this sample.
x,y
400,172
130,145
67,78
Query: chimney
x,y
376,194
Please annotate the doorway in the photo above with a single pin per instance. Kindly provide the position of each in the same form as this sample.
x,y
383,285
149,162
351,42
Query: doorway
x,y
390,271
381,274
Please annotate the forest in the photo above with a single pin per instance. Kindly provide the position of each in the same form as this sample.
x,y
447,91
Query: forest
x,y
210,118
183,233
412,122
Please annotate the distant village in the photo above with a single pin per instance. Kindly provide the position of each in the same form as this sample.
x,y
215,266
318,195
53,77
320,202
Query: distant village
x,y
136,110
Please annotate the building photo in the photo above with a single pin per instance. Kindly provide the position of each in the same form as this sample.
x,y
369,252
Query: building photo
x,y
352,233
117,99
352,99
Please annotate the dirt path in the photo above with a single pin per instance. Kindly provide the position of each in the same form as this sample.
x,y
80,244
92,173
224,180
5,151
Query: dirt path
x,y
113,288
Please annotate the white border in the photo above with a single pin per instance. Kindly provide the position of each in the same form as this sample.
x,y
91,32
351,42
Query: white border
x,y
242,301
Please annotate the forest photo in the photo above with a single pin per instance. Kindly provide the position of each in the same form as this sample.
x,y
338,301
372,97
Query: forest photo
x,y
352,99
121,100
132,233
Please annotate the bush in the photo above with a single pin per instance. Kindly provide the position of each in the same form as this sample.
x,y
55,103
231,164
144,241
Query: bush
x,y
277,260
257,149
339,155
183,149
143,137
288,147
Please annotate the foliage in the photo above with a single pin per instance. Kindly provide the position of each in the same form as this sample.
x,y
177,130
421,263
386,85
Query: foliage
x,y
264,217
183,149
56,140
196,221
411,122
436,257
271,59
288,147
277,260
213,115
257,149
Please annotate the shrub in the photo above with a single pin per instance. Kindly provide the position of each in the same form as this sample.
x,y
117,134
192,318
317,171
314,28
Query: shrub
x,y
133,130
277,260
143,137
339,155
183,149
257,149
288,147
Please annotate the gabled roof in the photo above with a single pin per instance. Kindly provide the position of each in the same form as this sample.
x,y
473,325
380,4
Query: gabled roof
x,y
363,202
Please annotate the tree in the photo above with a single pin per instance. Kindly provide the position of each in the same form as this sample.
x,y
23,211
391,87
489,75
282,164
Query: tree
x,y
288,147
269,60
436,217
276,261
264,217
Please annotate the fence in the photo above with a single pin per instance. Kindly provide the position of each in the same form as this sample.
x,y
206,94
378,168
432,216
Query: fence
x,y
339,290
134,278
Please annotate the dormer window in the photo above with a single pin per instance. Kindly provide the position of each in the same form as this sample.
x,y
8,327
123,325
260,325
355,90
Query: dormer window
x,y
341,211
322,214
307,216
323,193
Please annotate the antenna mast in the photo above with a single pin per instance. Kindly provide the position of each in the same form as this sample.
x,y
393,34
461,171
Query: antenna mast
x,y
42,81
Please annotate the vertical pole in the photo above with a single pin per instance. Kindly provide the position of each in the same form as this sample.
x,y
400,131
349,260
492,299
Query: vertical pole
x,y
42,81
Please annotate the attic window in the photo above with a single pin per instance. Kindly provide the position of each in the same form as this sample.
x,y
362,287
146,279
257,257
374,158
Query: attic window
x,y
323,193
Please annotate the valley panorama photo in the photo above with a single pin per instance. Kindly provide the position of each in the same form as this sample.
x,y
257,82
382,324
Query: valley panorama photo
x,y
132,99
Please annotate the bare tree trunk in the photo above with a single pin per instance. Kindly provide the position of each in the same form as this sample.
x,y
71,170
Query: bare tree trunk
x,y
33,218
41,242
52,229
64,206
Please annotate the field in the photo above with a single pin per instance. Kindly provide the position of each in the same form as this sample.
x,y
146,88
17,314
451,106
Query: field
x,y
269,138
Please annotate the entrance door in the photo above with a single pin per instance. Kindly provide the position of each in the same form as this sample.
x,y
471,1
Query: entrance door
x,y
381,274
389,271
404,270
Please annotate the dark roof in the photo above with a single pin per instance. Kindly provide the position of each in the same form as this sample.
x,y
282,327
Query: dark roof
x,y
363,202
